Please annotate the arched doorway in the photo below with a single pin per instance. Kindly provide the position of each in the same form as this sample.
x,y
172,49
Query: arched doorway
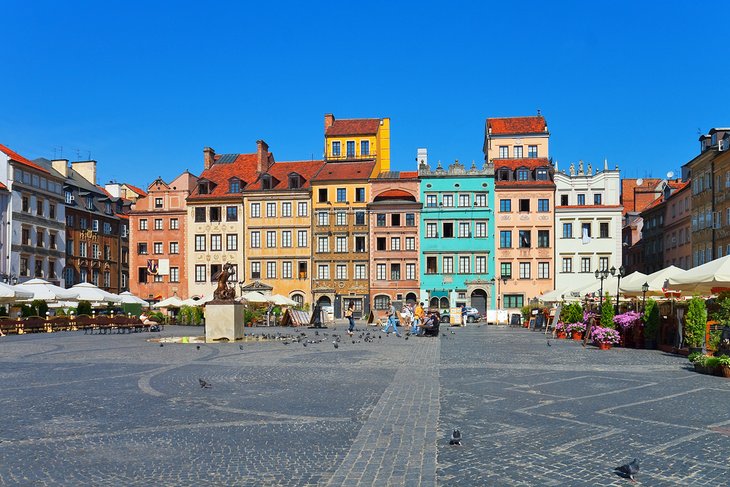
x,y
324,301
479,301
434,303
444,303
411,298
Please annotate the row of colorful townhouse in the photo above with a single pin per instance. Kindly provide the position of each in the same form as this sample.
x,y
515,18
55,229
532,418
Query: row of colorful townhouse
x,y
348,230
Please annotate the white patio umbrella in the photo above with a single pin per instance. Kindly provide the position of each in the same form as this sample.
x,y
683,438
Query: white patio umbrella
x,y
656,281
635,278
9,294
171,302
255,297
709,278
280,300
89,292
46,291
129,298
192,301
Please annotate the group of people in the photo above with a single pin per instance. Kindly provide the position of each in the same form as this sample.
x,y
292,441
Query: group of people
x,y
411,316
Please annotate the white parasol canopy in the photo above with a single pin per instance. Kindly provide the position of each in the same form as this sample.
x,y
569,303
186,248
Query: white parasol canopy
x,y
129,298
46,291
9,294
171,302
709,278
192,301
635,278
280,300
656,281
255,297
88,292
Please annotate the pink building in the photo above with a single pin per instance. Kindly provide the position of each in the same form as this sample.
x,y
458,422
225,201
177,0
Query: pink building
x,y
678,227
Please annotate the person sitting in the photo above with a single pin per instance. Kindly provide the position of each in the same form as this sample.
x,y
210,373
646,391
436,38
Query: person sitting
x,y
154,326
431,325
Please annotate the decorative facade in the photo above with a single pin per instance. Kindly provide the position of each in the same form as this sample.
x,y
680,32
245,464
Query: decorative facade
x,y
358,140
677,226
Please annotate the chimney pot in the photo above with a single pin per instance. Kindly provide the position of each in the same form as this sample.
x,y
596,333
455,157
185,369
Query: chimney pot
x,y
329,120
262,156
208,157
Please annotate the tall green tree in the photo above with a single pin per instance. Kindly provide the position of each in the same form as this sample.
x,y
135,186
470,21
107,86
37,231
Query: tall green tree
x,y
607,313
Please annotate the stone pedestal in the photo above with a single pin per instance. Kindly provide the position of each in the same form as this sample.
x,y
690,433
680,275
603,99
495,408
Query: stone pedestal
x,y
223,320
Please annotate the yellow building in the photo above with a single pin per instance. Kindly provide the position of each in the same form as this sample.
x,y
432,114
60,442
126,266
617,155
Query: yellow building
x,y
358,140
278,229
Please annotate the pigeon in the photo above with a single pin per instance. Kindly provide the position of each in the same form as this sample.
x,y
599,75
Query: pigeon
x,y
630,469
204,384
353,342
305,344
336,344
162,344
548,343
198,347
240,347
407,337
455,438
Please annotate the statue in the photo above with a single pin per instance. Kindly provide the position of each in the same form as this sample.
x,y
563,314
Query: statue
x,y
572,169
580,167
225,291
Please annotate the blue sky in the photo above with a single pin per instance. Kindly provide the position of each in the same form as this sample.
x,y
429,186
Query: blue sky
x,y
143,88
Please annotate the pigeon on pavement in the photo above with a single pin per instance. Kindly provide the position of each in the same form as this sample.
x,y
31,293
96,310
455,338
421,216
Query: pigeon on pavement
x,y
204,384
336,344
455,438
630,469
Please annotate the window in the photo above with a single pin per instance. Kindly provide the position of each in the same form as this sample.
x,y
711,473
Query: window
x,y
158,223
524,205
323,271
84,275
448,229
603,263
464,230
431,265
503,152
505,239
380,243
480,229
567,264
286,209
89,202
341,195
285,238
174,274
505,205
563,200
597,199
70,221
395,219
95,226
567,230
395,272
360,195
360,271
52,241
199,215
156,248
302,238
69,197
447,264
107,228
271,239
25,236
340,271
464,264
505,268
234,185
518,151
513,300
410,243
532,151
24,269
585,229
322,195
447,200
543,239
39,207
523,175
270,210
271,270
199,243
464,200
524,270
142,223
174,248
302,208
323,244
39,238
411,272
350,148
603,229
525,239
359,244
336,148
543,270
286,270
381,302
585,264
380,272
340,244
581,199
255,239
231,214
255,270
431,230
200,273
431,201
215,213
543,205
255,210
394,243
216,242
541,174
364,147
158,202
480,264
323,218
141,248
359,218
341,218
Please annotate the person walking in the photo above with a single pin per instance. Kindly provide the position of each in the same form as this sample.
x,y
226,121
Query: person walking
x,y
418,315
392,319
463,314
348,314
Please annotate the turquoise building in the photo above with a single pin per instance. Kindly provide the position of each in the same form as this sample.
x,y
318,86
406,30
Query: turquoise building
x,y
457,236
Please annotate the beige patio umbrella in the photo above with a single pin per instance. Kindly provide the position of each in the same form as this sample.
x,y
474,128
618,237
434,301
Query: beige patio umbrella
x,y
280,300
255,297
89,292
9,294
657,282
710,278
171,302
46,291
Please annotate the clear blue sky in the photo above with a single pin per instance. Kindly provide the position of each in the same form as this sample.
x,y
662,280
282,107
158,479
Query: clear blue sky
x,y
144,88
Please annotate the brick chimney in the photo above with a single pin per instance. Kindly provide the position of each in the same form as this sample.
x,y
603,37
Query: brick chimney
x,y
208,158
262,156
86,169
329,120
60,165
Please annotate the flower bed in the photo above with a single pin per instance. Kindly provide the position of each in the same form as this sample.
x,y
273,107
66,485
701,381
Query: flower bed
x,y
605,337
631,329
705,364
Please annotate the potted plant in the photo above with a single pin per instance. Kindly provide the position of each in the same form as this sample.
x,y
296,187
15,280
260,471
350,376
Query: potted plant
x,y
713,365
724,363
576,330
607,313
561,330
695,324
651,324
629,325
604,337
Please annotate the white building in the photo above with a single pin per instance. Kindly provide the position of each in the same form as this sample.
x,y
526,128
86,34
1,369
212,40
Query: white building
x,y
34,219
587,224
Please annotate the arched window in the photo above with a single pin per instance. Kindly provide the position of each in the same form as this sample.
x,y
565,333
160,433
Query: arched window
x,y
299,298
434,303
444,303
381,302
324,301
411,298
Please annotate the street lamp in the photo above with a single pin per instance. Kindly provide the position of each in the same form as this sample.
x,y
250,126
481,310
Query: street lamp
x,y
621,273
644,289
504,279
602,275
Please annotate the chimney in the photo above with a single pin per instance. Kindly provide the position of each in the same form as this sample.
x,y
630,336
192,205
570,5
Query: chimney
x,y
61,166
114,189
86,169
208,158
262,156
329,120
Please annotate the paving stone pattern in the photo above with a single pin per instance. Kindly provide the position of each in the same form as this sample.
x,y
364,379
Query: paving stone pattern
x,y
121,410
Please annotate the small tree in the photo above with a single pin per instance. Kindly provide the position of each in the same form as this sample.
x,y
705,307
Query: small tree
x,y
695,322
607,313
651,319
84,308
572,313
40,307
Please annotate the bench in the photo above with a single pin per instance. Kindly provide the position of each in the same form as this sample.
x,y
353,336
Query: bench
x,y
8,326
34,324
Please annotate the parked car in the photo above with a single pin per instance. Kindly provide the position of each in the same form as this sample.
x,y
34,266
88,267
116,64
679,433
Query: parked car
x,y
473,315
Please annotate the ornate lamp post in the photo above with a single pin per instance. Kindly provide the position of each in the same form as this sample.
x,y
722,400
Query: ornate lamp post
x,y
504,283
602,275
621,273
644,289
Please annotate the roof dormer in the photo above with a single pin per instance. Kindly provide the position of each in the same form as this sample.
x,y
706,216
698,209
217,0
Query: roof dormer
x,y
296,181
235,185
268,181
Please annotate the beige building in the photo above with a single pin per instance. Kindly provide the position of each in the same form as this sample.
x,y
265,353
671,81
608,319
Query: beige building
x,y
516,138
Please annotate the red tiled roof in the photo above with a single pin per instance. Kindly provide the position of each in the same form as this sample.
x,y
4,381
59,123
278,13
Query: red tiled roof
x,y
2,186
395,194
22,160
527,162
516,125
408,174
122,215
633,203
653,204
344,171
136,189
244,167
354,126
526,184
281,170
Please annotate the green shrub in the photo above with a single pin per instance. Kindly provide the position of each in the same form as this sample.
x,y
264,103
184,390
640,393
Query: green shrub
x,y
197,315
40,307
712,362
692,357
651,319
526,312
695,322
84,308
724,360
607,313
572,313
3,311
27,310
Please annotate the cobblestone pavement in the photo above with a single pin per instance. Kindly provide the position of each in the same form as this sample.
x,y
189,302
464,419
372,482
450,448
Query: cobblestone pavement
x,y
121,410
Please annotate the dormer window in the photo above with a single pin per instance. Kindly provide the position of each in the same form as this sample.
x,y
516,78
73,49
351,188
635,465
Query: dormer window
x,y
523,174
108,208
504,175
295,181
541,174
266,182
234,185
90,202
203,187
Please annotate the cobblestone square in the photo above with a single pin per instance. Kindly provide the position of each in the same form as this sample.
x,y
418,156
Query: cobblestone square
x,y
121,410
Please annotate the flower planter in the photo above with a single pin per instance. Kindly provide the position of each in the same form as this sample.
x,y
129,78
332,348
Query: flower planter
x,y
604,346
577,336
561,335
725,371
701,369
695,349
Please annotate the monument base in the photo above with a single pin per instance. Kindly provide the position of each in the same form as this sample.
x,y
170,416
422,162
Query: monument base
x,y
223,321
